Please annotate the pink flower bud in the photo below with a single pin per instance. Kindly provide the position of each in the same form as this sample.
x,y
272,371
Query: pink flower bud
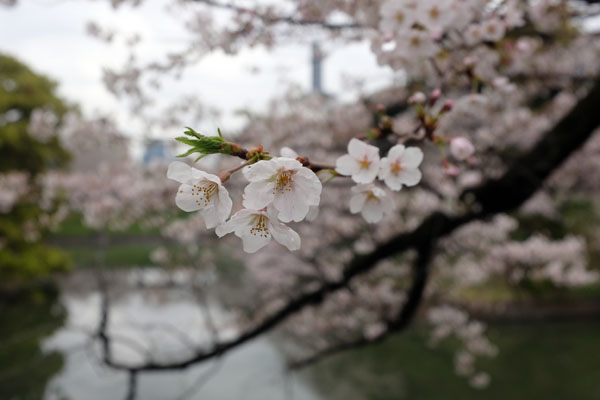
x,y
461,148
448,104
435,95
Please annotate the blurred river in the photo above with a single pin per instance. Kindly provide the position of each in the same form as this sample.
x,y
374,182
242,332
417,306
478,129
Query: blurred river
x,y
153,312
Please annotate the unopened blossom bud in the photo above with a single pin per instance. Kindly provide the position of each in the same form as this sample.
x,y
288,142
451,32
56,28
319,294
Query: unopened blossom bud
x,y
434,96
448,104
461,148
417,98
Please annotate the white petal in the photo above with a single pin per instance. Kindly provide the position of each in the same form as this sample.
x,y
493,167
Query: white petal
x,y
224,204
361,188
384,168
211,218
393,181
287,152
412,157
186,200
357,202
396,152
258,195
253,243
292,206
288,163
372,211
309,185
359,149
410,177
366,175
346,165
285,235
238,222
179,171
261,170
313,213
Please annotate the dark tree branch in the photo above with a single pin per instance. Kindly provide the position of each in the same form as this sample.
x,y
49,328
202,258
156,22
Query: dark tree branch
x,y
420,274
520,181
276,19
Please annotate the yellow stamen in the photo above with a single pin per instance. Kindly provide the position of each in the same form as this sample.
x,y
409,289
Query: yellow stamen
x,y
284,181
204,190
260,227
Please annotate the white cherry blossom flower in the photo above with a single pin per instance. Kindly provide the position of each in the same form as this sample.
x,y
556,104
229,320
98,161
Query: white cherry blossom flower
x,y
291,187
372,202
256,228
493,29
401,167
288,152
461,148
361,162
200,191
398,15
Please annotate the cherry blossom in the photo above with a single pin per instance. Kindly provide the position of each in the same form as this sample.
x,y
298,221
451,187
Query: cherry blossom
x,y
361,162
372,202
284,182
200,191
256,228
400,167
461,148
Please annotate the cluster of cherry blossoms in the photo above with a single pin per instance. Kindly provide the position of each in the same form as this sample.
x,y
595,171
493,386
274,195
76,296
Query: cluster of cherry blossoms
x,y
363,164
280,190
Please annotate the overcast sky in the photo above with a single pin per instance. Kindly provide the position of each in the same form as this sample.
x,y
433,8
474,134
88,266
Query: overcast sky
x,y
49,35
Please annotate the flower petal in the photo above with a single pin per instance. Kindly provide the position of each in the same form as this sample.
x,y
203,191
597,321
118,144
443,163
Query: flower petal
x,y
224,204
261,170
258,194
357,202
186,200
179,171
412,157
309,186
285,235
211,218
253,243
372,211
366,175
396,152
410,177
236,223
291,207
346,165
288,152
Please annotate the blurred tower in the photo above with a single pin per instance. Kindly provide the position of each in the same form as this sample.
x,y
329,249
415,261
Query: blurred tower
x,y
317,65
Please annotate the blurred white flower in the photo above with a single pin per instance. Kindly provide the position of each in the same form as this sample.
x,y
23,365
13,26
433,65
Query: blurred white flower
x,y
256,228
284,182
200,191
372,202
461,148
361,162
401,167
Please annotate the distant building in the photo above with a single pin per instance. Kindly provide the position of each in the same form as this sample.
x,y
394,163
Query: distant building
x,y
317,68
156,150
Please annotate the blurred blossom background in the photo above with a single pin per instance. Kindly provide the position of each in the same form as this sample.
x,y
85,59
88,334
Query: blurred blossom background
x,y
109,291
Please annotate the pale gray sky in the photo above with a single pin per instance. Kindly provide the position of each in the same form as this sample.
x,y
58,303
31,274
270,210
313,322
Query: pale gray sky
x,y
50,36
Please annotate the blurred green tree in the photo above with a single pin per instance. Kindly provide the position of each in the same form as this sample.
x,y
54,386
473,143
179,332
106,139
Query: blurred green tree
x,y
24,257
